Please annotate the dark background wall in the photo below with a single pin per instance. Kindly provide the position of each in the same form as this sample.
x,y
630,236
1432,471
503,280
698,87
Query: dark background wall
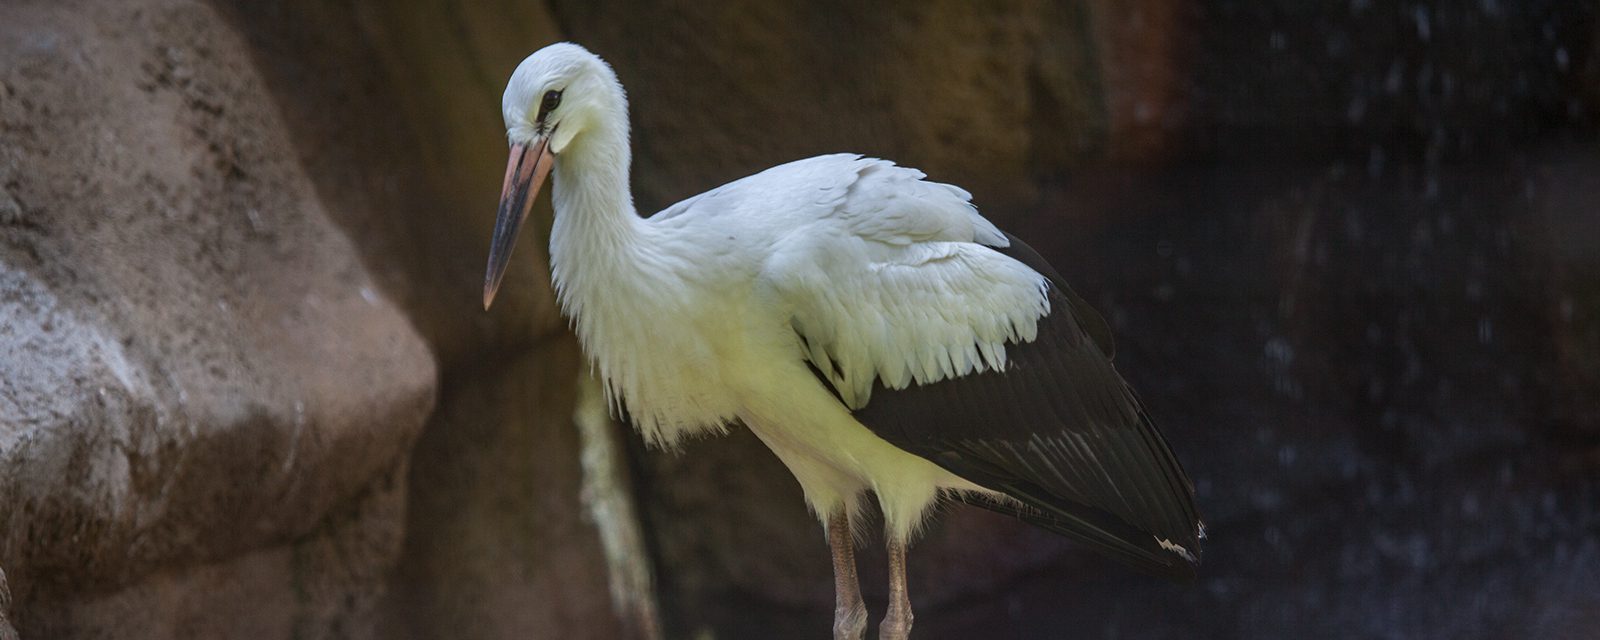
x,y
1351,252
1348,250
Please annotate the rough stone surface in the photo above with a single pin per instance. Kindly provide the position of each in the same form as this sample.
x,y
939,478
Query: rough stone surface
x,y
329,584
199,372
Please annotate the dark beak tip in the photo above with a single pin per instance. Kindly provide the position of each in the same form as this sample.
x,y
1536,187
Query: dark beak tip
x,y
489,291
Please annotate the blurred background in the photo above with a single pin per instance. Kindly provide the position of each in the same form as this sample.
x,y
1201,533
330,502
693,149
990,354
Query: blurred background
x,y
1350,250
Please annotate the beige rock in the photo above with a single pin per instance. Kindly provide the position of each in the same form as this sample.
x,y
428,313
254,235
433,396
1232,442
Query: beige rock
x,y
327,585
198,370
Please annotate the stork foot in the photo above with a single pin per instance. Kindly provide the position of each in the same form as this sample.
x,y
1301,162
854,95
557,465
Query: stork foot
x,y
896,625
849,612
850,623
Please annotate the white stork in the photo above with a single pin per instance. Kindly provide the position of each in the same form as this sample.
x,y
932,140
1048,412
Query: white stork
x,y
869,326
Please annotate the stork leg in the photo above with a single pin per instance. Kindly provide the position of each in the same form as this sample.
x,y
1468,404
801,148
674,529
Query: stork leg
x,y
897,622
849,612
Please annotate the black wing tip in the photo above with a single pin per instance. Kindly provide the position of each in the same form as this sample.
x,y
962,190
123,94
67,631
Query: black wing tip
x,y
1144,553
1182,567
1169,565
1105,534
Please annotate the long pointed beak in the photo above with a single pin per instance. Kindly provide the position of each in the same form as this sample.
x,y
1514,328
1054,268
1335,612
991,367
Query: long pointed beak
x,y
525,174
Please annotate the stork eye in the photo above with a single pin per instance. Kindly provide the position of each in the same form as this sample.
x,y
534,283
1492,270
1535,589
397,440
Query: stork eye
x,y
552,99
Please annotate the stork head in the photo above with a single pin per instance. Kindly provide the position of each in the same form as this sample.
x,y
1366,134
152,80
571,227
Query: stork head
x,y
554,97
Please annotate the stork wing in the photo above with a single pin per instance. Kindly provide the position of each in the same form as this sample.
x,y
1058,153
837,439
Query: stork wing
x,y
1046,420
959,344
1061,432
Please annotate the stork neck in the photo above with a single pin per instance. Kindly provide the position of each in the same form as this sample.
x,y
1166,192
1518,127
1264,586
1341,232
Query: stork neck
x,y
596,228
